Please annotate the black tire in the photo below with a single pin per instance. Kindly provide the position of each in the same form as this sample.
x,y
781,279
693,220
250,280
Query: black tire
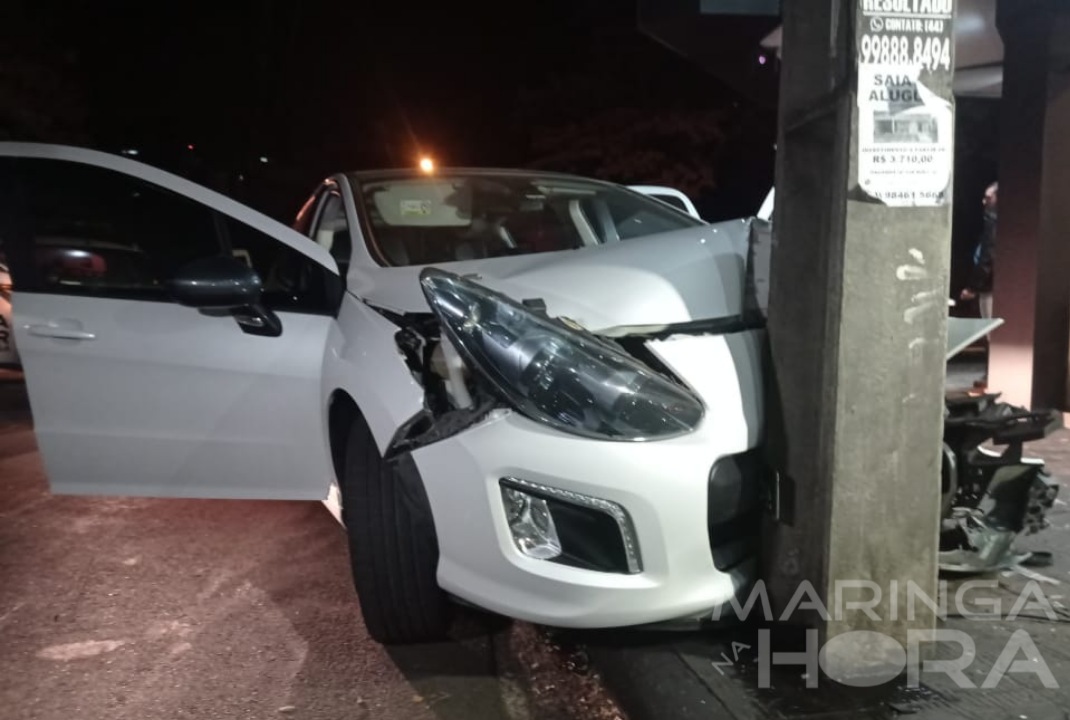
x,y
393,548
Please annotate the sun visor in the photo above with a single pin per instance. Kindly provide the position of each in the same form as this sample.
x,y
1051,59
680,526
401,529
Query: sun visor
x,y
423,203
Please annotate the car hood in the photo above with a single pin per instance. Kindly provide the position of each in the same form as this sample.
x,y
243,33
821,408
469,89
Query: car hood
x,y
678,277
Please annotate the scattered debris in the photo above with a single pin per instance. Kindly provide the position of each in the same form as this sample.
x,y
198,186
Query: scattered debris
x,y
989,499
79,650
1039,577
904,708
557,675
1039,559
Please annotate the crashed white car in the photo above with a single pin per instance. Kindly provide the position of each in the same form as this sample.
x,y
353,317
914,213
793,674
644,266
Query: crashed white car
x,y
536,393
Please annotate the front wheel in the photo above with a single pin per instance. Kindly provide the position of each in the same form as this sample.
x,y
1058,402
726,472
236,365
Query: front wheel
x,y
393,548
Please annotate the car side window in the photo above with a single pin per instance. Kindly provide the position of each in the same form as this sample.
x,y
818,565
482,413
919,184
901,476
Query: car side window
x,y
291,281
97,232
671,200
332,230
641,219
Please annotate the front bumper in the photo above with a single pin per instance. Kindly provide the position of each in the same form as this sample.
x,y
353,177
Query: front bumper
x,y
663,485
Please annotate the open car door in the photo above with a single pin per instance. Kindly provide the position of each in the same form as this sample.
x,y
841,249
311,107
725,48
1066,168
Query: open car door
x,y
133,392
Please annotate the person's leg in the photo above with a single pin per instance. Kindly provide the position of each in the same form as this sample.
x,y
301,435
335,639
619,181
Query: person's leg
x,y
984,306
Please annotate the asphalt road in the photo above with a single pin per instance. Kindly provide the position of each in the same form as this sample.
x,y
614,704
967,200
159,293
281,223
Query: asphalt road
x,y
138,608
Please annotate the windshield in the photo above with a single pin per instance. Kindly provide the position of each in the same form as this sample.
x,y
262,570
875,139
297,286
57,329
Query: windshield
x,y
420,220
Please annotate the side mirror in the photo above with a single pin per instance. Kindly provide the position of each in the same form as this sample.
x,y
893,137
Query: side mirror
x,y
225,285
216,283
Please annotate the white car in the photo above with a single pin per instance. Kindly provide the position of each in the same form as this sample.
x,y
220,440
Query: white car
x,y
534,393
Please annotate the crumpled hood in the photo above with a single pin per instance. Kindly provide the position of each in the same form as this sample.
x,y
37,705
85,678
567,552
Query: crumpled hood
x,y
677,277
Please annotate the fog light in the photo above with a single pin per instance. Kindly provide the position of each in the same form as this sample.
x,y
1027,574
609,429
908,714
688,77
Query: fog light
x,y
569,528
531,524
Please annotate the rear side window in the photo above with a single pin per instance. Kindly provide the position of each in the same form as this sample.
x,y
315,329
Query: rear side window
x,y
96,232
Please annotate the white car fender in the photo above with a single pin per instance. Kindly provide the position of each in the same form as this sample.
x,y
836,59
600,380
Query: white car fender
x,y
362,360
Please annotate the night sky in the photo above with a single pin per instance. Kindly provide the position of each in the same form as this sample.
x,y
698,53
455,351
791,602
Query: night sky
x,y
318,87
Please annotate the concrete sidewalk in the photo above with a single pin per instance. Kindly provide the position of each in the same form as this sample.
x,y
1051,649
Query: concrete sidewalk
x,y
716,674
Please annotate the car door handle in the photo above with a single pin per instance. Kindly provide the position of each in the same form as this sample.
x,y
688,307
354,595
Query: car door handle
x,y
65,333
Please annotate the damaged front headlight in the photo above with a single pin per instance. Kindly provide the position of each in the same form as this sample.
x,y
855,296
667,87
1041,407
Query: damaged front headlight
x,y
554,374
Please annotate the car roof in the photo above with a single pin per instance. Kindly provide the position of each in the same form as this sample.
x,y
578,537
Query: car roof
x,y
392,173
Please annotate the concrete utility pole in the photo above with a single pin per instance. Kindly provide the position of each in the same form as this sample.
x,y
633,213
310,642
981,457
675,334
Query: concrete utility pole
x,y
858,318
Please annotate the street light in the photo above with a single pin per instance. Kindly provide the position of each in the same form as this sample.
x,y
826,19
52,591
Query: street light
x,y
427,165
